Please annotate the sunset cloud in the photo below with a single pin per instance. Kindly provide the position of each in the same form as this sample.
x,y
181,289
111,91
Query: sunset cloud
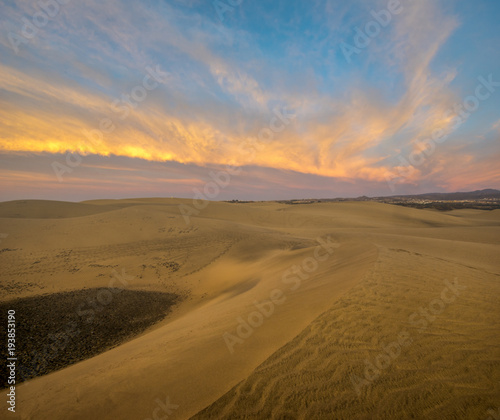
x,y
277,98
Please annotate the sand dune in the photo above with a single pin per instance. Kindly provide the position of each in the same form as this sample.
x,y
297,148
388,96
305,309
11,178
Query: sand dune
x,y
336,283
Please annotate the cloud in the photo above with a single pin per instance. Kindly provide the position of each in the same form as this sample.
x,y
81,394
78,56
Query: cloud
x,y
224,86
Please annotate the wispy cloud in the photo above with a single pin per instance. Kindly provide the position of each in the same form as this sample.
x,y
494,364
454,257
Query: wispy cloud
x,y
351,122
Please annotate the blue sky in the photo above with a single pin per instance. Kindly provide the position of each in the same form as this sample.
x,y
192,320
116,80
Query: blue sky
x,y
369,123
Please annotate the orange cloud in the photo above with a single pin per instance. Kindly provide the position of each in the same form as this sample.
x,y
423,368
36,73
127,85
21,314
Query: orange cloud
x,y
334,137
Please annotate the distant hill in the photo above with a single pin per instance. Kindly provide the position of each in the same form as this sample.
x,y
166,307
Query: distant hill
x,y
487,199
471,195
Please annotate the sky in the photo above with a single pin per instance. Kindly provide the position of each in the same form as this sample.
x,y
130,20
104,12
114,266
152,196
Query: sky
x,y
248,100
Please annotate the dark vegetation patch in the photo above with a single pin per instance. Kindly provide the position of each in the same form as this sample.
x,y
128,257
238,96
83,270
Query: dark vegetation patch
x,y
172,265
57,330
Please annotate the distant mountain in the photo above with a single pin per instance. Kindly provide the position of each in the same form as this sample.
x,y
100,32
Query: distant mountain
x,y
471,195
406,199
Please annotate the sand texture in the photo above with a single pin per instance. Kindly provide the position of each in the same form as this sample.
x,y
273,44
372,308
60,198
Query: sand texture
x,y
367,310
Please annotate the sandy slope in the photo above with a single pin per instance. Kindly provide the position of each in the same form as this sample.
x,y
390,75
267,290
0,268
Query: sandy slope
x,y
385,262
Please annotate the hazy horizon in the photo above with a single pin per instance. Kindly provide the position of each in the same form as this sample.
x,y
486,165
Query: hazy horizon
x,y
236,199
326,99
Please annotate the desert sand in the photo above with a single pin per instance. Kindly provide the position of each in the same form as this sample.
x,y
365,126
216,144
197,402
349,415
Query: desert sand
x,y
368,310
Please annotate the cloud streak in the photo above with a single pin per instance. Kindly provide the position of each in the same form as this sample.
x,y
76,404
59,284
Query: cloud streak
x,y
224,85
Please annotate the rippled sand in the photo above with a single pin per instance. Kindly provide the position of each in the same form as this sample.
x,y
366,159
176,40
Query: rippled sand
x,y
366,310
